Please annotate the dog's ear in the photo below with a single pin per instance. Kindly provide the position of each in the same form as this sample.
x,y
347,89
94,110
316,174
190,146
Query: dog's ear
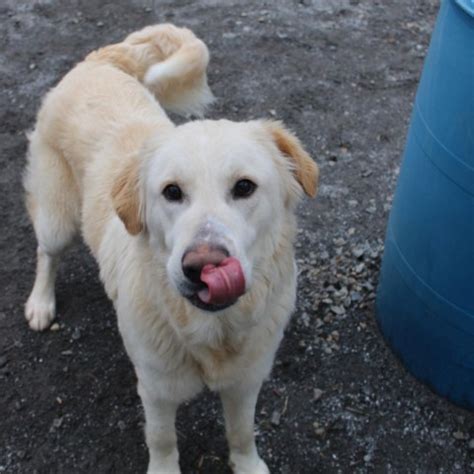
x,y
305,170
126,197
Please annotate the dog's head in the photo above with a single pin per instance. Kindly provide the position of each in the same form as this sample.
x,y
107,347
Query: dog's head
x,y
213,198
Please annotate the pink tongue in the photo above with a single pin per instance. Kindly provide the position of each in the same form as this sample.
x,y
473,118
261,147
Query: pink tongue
x,y
225,282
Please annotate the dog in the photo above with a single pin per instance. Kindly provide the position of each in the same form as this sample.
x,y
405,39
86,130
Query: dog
x,y
192,227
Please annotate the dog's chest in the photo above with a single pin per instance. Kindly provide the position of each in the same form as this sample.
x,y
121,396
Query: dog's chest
x,y
219,365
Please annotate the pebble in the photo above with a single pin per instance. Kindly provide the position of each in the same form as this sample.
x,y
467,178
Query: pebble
x,y
3,361
355,296
275,420
338,310
358,251
57,422
317,394
371,209
471,444
318,429
460,436
76,334
359,268
54,327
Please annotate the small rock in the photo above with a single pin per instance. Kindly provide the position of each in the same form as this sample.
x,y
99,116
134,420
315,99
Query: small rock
x,y
460,436
471,444
355,296
339,242
3,361
76,334
317,394
358,251
338,310
121,425
54,327
57,422
371,209
359,268
275,420
319,430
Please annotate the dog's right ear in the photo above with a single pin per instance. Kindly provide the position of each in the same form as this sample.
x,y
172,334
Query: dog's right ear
x,y
126,197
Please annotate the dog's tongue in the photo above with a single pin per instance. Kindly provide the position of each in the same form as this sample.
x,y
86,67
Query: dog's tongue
x,y
225,282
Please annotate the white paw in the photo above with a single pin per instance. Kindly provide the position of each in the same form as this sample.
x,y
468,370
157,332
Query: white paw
x,y
244,465
39,312
164,470
164,464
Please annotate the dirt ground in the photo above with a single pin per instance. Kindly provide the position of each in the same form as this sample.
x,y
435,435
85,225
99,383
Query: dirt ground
x,y
342,74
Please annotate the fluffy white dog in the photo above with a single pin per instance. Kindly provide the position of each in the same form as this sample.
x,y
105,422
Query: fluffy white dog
x,y
192,227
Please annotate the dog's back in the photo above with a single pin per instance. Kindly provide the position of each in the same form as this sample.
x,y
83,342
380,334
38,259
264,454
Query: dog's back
x,y
102,109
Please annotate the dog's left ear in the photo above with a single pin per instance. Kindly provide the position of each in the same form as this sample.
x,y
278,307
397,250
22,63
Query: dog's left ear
x,y
126,197
306,171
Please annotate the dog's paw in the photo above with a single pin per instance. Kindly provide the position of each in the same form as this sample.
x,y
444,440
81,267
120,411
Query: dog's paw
x,y
164,464
244,465
39,312
164,470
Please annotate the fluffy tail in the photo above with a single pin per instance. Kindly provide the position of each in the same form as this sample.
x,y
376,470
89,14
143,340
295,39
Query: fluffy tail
x,y
171,62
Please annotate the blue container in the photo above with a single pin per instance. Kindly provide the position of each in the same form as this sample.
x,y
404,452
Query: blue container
x,y
425,300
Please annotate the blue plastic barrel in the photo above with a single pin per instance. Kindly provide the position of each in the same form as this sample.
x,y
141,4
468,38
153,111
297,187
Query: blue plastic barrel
x,y
425,298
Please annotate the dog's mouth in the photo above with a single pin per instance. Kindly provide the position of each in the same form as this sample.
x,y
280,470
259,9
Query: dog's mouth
x,y
220,286
212,308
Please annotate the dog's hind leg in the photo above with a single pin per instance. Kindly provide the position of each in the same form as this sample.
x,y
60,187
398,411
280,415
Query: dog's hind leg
x,y
53,203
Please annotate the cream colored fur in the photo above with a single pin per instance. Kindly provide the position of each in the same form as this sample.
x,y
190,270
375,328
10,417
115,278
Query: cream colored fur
x,y
100,156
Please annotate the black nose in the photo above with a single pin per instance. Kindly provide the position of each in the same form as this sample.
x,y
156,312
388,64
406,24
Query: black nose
x,y
197,257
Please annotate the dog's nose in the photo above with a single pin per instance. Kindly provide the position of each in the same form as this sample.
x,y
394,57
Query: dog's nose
x,y
196,258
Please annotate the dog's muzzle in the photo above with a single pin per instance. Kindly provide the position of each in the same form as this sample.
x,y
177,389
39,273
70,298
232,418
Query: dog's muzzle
x,y
214,280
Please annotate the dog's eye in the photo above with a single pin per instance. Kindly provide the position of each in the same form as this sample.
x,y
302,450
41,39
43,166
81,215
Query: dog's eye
x,y
243,189
173,192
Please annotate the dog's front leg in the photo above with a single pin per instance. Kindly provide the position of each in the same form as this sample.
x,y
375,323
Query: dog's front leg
x,y
160,433
239,411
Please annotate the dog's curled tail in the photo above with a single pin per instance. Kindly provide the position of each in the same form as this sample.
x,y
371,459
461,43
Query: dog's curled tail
x,y
170,61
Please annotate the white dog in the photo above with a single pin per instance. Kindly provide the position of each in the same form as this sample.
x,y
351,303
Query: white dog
x,y
192,227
